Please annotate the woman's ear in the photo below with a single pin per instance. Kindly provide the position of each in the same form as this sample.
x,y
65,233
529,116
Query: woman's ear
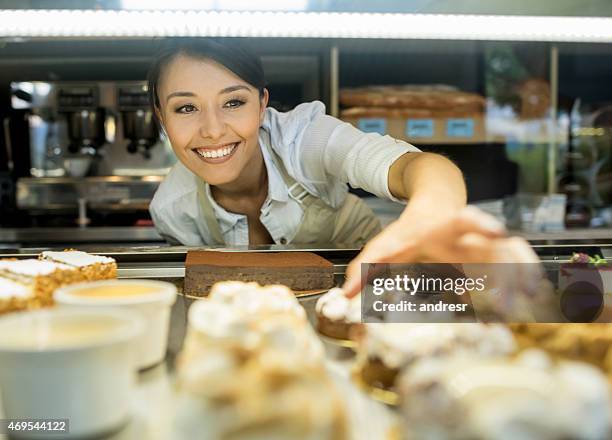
x,y
263,104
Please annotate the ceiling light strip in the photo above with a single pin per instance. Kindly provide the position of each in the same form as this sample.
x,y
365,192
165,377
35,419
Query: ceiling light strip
x,y
128,23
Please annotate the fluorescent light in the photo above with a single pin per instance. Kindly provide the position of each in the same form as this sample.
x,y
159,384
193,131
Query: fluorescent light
x,y
104,23
219,5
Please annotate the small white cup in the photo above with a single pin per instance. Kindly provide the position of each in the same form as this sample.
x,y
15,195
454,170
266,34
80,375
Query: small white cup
x,y
154,304
69,364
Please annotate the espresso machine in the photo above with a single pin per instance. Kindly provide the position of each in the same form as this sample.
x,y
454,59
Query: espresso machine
x,y
85,153
138,122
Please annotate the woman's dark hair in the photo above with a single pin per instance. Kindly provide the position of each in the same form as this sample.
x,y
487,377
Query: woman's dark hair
x,y
227,52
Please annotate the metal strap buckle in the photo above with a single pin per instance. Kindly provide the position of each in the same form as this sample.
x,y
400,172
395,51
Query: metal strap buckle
x,y
301,195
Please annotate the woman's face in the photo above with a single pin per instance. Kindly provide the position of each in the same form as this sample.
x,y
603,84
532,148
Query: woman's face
x,y
212,117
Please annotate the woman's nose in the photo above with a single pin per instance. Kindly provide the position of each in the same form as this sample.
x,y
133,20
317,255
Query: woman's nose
x,y
212,126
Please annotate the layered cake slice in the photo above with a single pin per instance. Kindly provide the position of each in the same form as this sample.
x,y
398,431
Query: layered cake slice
x,y
300,271
338,315
42,277
91,267
15,296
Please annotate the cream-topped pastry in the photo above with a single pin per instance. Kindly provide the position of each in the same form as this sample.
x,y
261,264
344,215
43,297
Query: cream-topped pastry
x,y
12,289
15,296
337,314
588,342
90,267
42,277
75,258
530,397
252,368
252,318
386,349
46,274
224,395
220,324
254,298
336,306
24,269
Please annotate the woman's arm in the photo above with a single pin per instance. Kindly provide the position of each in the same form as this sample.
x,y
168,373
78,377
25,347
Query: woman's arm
x,y
435,225
429,182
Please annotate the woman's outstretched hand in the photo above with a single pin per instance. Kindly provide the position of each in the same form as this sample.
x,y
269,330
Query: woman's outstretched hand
x,y
467,236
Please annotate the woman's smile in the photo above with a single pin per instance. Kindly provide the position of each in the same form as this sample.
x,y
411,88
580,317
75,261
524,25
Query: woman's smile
x,y
216,154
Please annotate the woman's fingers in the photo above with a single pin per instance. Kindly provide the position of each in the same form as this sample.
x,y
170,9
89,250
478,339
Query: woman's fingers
x,y
465,237
372,253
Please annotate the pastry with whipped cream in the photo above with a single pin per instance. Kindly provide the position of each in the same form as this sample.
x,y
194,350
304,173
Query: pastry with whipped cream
x,y
15,296
584,342
384,350
41,278
254,298
338,315
251,318
30,283
252,368
223,394
530,397
90,267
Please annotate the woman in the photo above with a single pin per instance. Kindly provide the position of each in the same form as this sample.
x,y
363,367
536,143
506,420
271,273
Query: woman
x,y
248,174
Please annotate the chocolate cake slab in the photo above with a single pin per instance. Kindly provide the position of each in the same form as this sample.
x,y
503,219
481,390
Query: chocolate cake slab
x,y
300,271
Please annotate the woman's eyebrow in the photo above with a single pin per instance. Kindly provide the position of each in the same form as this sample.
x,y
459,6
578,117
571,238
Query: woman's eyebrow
x,y
179,94
231,89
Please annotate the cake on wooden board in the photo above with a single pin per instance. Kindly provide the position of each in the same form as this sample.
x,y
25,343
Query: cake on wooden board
x,y
300,271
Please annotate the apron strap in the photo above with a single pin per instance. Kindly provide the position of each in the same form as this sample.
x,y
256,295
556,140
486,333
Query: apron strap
x,y
209,214
296,189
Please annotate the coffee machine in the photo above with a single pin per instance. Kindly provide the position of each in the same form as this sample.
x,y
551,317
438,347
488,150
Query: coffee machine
x,y
85,144
80,107
138,122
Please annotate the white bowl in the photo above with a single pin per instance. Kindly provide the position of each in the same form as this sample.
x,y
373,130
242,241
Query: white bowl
x,y
154,306
69,364
77,166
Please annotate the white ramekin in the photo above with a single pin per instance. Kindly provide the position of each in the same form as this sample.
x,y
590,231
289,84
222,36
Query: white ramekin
x,y
89,382
154,307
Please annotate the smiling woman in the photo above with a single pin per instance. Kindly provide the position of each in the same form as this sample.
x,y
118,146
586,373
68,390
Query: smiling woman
x,y
248,174
213,124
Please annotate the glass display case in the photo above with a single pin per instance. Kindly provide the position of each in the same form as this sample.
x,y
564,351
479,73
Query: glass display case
x,y
518,99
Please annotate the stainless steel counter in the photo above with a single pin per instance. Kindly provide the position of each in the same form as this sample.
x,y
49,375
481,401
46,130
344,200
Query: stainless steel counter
x,y
168,262
55,236
12,238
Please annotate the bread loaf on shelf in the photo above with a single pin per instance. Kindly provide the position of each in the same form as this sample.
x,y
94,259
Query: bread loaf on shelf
x,y
432,98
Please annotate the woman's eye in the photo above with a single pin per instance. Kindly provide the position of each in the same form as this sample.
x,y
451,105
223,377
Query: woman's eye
x,y
188,108
234,103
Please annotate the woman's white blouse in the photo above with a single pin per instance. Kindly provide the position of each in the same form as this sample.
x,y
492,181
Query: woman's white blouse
x,y
318,151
